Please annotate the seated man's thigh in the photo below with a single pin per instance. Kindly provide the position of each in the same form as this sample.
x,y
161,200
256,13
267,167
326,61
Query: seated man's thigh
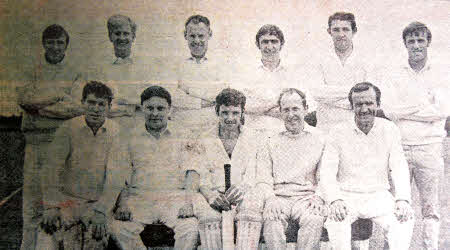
x,y
202,209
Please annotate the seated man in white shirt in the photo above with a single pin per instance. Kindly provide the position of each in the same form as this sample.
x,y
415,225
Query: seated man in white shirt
x,y
354,174
157,189
227,143
286,181
83,177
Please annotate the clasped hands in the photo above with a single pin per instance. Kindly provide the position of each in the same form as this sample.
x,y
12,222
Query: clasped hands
x,y
233,196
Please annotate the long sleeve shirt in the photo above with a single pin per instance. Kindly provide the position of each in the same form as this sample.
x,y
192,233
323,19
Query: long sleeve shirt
x,y
85,166
48,97
287,164
360,163
157,163
422,101
211,162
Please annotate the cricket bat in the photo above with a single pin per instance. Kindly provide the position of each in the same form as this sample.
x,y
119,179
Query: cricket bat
x,y
228,216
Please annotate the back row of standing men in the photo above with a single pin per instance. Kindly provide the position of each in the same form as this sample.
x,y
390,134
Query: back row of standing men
x,y
415,92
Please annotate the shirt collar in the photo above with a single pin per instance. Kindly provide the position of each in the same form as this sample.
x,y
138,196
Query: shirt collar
x,y
277,69
106,126
122,61
427,67
167,132
193,60
373,130
306,130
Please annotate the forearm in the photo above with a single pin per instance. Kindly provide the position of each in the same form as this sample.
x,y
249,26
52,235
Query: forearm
x,y
62,110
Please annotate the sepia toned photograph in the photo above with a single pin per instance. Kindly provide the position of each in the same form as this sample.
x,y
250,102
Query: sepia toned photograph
x,y
259,124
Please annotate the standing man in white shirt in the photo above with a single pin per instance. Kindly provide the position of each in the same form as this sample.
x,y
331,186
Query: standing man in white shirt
x,y
354,175
47,101
338,71
421,109
157,189
262,87
121,32
200,78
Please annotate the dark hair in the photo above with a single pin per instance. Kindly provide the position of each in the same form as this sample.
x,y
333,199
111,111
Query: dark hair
x,y
54,31
364,86
196,19
99,90
293,91
416,27
230,97
343,16
271,30
113,23
157,91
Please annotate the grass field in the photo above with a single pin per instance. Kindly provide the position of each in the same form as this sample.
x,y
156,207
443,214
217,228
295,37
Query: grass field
x,y
11,179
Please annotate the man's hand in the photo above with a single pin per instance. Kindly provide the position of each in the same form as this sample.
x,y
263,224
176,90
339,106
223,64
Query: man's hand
x,y
403,210
272,210
338,210
221,203
98,224
315,205
234,194
123,213
186,211
52,220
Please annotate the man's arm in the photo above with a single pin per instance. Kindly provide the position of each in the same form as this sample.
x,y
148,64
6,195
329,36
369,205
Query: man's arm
x,y
399,168
328,171
118,172
64,109
32,98
53,166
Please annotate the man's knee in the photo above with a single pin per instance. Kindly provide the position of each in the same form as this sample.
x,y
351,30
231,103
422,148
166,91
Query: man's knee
x,y
186,226
312,220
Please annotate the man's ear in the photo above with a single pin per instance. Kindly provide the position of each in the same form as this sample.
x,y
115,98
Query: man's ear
x,y
185,34
257,44
329,31
210,33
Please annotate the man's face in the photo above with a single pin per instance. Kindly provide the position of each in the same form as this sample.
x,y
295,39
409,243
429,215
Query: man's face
x,y
230,117
292,112
156,111
269,45
122,38
342,34
96,109
365,107
417,45
197,36
55,49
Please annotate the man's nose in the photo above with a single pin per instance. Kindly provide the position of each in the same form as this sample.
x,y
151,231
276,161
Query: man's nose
x,y
364,108
197,39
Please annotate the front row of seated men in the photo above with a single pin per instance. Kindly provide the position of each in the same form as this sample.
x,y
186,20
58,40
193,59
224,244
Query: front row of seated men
x,y
163,176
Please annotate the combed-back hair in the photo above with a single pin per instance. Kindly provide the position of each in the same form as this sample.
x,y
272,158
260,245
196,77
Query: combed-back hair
x,y
364,86
157,91
116,20
196,19
99,90
416,27
54,31
343,16
271,30
293,91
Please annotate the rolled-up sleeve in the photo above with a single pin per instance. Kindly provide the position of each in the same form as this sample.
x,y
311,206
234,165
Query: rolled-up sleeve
x,y
399,168
264,172
54,165
328,170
